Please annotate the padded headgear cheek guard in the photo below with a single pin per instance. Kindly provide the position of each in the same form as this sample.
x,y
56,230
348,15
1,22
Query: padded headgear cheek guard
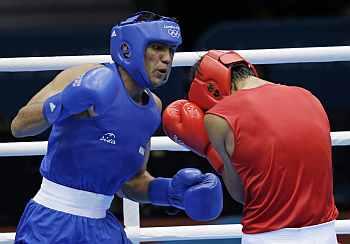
x,y
212,80
130,39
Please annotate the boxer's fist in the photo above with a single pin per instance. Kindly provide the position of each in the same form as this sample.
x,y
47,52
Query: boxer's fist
x,y
199,195
183,122
96,88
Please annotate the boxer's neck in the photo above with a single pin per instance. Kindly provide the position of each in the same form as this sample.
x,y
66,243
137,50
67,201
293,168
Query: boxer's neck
x,y
134,90
250,82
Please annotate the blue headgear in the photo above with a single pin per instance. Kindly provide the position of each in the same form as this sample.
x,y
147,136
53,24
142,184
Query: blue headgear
x,y
131,37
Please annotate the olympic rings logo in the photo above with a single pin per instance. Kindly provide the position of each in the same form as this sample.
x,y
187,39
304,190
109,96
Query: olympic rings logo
x,y
174,33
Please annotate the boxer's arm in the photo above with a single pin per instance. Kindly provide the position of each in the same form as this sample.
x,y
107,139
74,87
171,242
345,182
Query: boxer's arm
x,y
136,189
29,120
220,135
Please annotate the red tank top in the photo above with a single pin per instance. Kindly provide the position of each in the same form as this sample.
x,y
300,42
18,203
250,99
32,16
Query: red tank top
x,y
282,155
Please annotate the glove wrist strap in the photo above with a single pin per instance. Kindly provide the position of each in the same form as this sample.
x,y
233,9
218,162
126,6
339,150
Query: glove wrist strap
x,y
158,191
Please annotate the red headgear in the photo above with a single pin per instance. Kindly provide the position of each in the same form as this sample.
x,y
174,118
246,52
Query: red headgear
x,y
212,80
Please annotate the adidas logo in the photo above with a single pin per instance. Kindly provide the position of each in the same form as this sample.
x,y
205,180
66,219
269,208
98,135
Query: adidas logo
x,y
114,34
52,107
142,151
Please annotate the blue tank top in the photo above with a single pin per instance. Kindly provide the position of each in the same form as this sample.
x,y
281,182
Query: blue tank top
x,y
99,154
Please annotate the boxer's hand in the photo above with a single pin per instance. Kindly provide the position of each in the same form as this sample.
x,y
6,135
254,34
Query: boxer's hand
x,y
183,122
199,195
96,88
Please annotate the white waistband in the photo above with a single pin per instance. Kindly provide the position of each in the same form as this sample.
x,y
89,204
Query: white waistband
x,y
72,201
322,233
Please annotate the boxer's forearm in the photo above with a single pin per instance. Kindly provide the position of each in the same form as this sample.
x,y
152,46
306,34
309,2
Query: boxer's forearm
x,y
233,184
136,189
29,121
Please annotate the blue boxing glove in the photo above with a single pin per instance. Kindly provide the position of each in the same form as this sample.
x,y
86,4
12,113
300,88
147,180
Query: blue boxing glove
x,y
199,195
97,88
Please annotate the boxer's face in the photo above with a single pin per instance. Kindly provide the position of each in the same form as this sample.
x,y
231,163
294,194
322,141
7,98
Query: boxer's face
x,y
158,61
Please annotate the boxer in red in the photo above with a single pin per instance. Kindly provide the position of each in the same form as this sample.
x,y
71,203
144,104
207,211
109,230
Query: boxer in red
x,y
271,144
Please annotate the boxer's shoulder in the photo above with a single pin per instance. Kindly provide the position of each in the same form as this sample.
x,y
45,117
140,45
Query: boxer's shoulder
x,y
67,75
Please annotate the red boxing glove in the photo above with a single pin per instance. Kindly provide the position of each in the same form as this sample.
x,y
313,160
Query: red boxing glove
x,y
183,122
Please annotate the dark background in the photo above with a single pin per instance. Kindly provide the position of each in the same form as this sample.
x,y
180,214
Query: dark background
x,y
81,27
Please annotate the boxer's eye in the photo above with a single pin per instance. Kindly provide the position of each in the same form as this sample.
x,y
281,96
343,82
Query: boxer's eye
x,y
216,93
210,87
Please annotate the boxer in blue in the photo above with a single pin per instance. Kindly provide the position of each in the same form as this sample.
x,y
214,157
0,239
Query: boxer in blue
x,y
102,119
